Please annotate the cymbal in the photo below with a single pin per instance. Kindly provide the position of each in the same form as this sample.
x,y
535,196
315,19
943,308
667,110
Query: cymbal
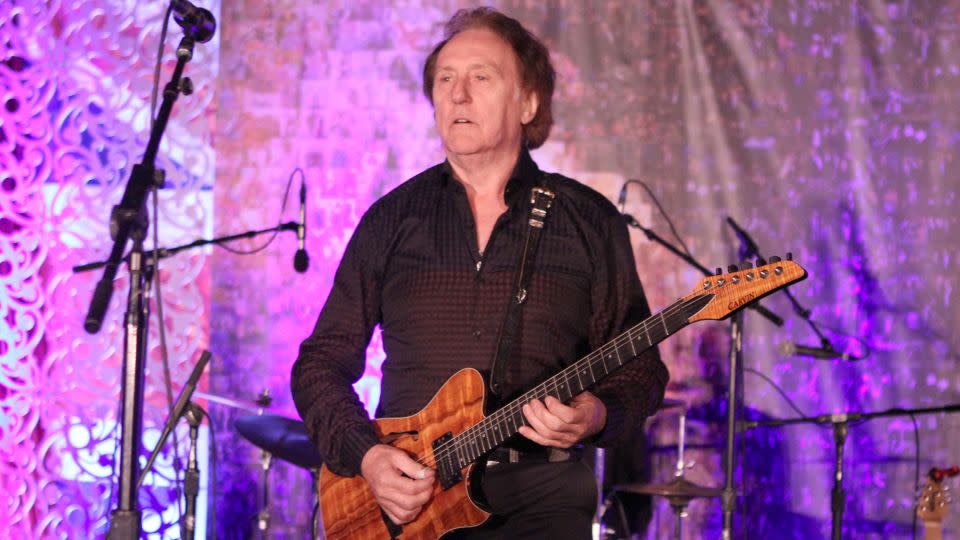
x,y
283,437
255,407
679,488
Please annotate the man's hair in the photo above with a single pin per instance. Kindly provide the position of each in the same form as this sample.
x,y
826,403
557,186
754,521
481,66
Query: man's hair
x,y
536,71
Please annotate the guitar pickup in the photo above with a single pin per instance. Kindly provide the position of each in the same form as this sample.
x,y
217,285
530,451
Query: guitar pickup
x,y
448,468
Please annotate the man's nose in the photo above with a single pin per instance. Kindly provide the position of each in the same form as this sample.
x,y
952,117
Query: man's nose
x,y
460,92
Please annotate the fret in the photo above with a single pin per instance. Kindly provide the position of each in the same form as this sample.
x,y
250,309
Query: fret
x,y
482,444
550,382
563,393
664,321
632,346
544,388
593,378
465,450
582,375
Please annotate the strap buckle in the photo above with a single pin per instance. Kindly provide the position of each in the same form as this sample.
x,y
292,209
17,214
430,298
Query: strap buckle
x,y
542,199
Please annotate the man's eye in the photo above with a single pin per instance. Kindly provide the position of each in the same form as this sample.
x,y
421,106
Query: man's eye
x,y
482,77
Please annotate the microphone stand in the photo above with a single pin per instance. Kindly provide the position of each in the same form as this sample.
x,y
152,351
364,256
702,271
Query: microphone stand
x,y
734,394
167,252
183,407
129,221
841,424
191,482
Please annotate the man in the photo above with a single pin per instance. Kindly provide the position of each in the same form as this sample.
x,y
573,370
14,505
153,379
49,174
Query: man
x,y
434,263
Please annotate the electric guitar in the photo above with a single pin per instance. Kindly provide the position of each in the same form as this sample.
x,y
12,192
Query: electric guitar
x,y
451,433
932,505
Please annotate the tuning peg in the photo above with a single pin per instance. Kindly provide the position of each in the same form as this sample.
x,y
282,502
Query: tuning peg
x,y
761,261
774,259
789,256
746,265
732,268
719,271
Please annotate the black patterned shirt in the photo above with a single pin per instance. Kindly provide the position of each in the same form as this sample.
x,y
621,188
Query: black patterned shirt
x,y
413,267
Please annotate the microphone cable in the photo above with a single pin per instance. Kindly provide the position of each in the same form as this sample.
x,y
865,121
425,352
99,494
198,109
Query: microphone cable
x,y
666,216
283,207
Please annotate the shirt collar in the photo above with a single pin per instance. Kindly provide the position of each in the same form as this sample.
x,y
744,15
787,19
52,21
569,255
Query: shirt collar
x,y
526,174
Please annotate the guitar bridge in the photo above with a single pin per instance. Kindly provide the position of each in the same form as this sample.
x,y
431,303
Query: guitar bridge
x,y
448,467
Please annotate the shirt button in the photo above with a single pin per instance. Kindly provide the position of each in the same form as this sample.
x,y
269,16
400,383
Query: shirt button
x,y
476,334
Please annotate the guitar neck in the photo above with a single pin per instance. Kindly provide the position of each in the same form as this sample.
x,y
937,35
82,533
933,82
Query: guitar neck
x,y
577,377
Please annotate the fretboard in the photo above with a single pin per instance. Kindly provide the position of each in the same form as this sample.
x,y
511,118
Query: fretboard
x,y
496,428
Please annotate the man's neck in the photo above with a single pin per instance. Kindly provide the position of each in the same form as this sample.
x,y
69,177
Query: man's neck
x,y
484,176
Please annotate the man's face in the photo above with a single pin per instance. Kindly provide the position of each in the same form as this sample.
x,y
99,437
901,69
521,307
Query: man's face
x,y
479,104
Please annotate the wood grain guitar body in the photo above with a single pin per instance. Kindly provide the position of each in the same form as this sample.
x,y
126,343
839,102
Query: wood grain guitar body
x,y
351,512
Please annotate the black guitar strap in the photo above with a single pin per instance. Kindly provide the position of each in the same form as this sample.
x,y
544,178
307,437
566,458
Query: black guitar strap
x,y
541,199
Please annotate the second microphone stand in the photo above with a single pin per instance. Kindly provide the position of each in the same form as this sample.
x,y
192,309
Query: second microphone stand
x,y
734,393
841,427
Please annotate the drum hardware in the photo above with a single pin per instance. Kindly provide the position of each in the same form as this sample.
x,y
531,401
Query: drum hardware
x,y
679,491
286,439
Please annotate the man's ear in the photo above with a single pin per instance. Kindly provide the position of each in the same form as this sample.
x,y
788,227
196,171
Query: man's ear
x,y
529,107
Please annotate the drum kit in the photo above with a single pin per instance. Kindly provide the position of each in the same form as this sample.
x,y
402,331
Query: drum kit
x,y
280,437
678,491
285,438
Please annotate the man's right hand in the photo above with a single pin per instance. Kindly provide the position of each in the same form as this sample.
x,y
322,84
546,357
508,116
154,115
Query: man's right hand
x,y
401,485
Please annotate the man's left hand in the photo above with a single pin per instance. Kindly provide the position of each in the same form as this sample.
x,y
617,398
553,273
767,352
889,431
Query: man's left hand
x,y
561,426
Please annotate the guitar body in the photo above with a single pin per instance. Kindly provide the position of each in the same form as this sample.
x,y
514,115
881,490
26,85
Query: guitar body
x,y
349,508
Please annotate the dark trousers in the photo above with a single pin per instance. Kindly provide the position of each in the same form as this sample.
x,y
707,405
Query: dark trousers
x,y
555,501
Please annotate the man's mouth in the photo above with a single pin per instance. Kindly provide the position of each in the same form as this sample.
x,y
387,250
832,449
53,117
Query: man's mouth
x,y
461,121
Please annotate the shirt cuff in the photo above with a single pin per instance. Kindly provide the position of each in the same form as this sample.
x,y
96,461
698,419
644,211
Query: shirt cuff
x,y
615,428
356,442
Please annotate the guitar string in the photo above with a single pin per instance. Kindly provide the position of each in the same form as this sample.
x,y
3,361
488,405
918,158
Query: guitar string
x,y
471,436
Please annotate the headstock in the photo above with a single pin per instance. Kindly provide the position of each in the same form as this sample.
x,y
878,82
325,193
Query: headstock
x,y
932,503
743,285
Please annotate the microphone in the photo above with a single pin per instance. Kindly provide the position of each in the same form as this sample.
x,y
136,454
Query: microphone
x,y
183,400
197,23
789,348
748,245
301,260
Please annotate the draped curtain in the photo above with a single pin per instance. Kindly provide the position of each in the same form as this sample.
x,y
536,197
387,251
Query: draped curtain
x,y
825,129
